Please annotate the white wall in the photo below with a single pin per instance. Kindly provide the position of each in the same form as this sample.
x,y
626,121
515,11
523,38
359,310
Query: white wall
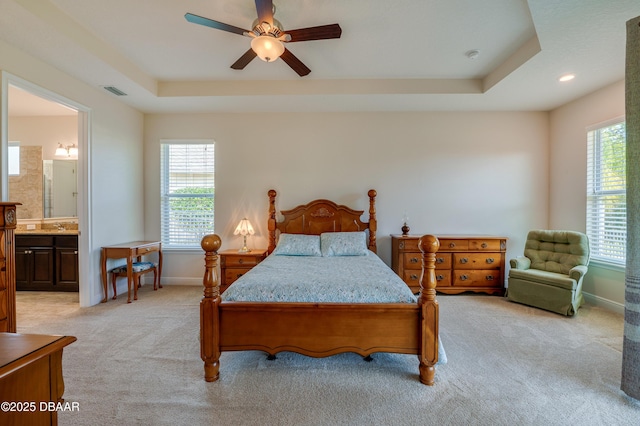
x,y
113,163
46,131
568,170
478,173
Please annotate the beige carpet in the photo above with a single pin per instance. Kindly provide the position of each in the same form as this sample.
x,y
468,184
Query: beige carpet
x,y
508,364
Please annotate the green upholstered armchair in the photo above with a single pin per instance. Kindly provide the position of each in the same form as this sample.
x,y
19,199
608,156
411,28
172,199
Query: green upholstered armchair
x,y
550,274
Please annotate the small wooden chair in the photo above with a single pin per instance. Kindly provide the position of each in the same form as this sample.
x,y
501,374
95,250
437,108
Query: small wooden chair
x,y
138,269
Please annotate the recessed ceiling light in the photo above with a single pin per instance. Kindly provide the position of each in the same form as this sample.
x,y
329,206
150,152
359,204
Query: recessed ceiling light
x,y
566,77
473,54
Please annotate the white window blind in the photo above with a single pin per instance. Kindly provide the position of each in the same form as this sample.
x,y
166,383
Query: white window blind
x,y
187,192
606,193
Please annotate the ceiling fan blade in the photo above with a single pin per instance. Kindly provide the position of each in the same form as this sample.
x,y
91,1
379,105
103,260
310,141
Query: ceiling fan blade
x,y
321,32
213,24
244,60
295,63
265,11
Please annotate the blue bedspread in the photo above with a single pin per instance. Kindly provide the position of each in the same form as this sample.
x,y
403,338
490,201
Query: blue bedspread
x,y
340,279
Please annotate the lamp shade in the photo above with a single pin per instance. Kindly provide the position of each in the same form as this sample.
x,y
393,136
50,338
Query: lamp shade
x,y
61,151
244,228
73,151
268,48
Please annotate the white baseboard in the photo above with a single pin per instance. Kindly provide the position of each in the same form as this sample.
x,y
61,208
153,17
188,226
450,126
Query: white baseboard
x,y
604,303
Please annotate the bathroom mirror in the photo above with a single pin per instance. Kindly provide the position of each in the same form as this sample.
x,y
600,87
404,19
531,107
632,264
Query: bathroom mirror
x,y
59,188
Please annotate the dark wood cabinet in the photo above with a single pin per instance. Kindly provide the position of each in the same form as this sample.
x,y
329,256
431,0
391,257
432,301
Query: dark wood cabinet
x,y
47,262
34,262
66,263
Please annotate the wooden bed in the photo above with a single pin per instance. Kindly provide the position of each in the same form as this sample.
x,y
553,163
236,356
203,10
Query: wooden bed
x,y
320,329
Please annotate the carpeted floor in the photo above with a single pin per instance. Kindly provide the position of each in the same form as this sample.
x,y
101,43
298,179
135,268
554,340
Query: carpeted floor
x,y
508,364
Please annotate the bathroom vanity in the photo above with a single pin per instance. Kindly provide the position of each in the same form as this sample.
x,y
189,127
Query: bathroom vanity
x,y
47,261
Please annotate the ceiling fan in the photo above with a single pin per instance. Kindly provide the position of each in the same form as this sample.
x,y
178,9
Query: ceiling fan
x,y
268,36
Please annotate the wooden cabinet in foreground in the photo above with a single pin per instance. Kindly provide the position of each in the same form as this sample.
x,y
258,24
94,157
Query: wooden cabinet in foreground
x,y
463,263
7,267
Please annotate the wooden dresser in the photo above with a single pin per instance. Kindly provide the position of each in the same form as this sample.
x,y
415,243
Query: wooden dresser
x,y
7,267
31,382
463,263
234,264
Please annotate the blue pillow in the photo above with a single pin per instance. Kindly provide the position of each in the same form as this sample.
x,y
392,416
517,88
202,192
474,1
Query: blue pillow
x,y
344,244
298,245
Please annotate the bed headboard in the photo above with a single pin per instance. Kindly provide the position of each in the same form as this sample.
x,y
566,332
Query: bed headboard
x,y
320,216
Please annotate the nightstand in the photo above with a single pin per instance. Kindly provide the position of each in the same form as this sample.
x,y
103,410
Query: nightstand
x,y
234,264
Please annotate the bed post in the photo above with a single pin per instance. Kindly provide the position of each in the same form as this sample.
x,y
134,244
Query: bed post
x,y
271,225
373,222
428,349
209,309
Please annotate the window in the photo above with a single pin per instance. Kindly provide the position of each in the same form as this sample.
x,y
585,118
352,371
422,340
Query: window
x,y
187,192
606,193
14,158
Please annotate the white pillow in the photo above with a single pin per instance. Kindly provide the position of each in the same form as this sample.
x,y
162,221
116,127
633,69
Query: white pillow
x,y
298,245
344,244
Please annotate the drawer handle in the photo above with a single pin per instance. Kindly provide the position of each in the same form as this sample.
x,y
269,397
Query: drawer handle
x,y
490,260
439,277
413,260
147,249
452,245
241,261
401,246
413,276
75,252
489,277
464,260
439,260
464,277
484,245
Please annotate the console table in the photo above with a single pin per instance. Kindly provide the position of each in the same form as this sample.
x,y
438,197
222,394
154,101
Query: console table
x,y
31,377
130,251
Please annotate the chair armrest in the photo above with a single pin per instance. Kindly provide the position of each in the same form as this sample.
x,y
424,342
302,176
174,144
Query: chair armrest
x,y
577,272
520,262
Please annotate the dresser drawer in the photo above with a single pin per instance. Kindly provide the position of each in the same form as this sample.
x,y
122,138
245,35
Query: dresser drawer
x,y
412,278
239,260
477,278
484,245
477,260
443,260
412,260
443,278
409,244
232,274
453,245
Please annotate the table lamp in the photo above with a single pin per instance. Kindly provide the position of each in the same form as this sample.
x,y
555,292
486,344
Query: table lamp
x,y
244,228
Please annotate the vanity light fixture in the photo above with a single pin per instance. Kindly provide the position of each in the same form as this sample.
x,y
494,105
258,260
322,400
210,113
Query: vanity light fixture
x,y
70,152
244,228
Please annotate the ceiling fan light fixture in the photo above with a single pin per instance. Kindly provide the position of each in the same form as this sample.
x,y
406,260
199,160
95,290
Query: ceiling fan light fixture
x,y
268,48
